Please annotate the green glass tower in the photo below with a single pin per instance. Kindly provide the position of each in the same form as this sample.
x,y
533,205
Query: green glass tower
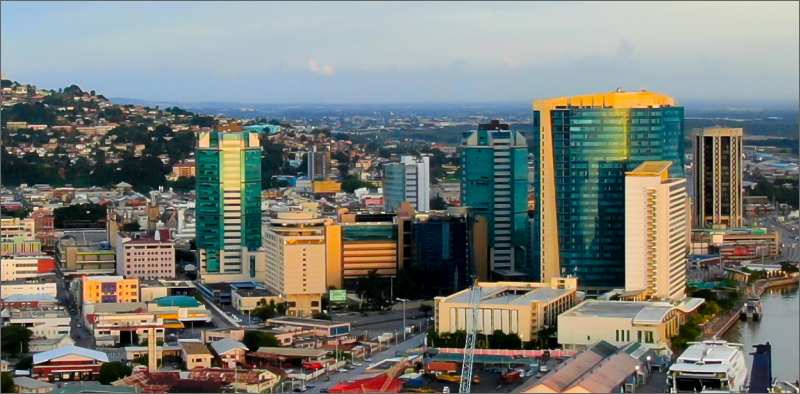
x,y
494,183
228,204
582,148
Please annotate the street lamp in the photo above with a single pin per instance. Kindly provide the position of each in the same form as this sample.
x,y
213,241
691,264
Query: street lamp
x,y
403,300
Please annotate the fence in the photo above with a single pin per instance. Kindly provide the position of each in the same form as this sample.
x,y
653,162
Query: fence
x,y
511,353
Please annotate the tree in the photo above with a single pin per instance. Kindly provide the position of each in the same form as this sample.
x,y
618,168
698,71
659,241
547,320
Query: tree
x,y
8,383
113,371
24,364
131,227
15,339
438,203
321,316
256,339
274,122
343,168
425,308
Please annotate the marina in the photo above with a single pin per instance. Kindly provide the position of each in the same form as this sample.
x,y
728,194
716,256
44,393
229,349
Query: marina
x,y
780,316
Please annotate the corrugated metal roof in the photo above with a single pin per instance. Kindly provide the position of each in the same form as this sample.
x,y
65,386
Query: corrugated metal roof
x,y
226,345
39,358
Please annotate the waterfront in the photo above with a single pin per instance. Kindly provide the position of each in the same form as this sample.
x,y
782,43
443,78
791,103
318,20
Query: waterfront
x,y
779,326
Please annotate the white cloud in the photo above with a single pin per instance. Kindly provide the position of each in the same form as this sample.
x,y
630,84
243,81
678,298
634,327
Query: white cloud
x,y
313,67
512,62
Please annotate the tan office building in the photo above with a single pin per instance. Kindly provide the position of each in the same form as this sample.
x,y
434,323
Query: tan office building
x,y
513,307
656,231
296,260
717,177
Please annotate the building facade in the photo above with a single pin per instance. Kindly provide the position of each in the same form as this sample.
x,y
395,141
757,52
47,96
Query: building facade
x,y
450,245
108,289
657,231
142,256
228,204
521,308
494,184
718,159
319,164
582,146
296,256
68,363
27,287
409,180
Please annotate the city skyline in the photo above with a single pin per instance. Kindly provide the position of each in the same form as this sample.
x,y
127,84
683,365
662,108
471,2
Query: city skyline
x,y
314,53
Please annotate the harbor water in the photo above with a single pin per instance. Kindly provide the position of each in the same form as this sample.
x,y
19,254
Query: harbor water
x,y
780,326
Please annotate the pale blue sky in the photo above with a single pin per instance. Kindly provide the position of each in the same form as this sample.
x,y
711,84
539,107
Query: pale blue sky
x,y
358,52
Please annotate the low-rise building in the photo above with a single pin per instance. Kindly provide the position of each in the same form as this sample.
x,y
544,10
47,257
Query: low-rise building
x,y
69,363
45,344
24,384
618,322
602,368
27,287
19,245
26,266
127,328
48,324
229,352
11,228
150,290
322,328
195,354
108,289
84,258
246,300
184,309
285,335
513,307
33,301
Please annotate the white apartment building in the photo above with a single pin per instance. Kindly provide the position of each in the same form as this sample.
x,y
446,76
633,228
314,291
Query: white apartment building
x,y
22,287
50,324
657,231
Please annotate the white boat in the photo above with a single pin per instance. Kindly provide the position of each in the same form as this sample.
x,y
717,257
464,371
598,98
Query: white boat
x,y
709,366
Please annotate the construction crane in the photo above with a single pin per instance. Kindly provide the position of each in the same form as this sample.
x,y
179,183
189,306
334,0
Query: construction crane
x,y
469,348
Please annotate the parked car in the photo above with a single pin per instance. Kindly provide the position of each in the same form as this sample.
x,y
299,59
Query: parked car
x,y
368,359
324,390
341,370
357,364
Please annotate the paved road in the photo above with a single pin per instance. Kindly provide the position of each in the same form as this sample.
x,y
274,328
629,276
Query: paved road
x,y
338,377
791,252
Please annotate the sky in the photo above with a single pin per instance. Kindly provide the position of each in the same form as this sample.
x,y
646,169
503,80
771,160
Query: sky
x,y
397,52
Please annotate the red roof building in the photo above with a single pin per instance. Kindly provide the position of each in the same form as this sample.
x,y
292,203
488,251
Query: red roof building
x,y
380,384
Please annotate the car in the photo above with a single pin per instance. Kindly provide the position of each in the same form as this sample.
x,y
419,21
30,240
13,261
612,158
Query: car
x,y
298,390
446,390
543,368
80,325
342,370
496,370
310,386
324,390
357,364
368,359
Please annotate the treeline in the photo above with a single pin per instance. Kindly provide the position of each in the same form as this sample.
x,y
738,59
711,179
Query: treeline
x,y
775,192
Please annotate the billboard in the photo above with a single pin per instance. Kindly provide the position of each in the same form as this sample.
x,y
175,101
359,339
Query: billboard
x,y
338,295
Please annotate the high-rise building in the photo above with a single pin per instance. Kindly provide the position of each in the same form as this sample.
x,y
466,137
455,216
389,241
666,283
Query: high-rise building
x,y
717,195
656,231
409,180
449,245
582,148
319,164
296,260
228,204
364,242
494,183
